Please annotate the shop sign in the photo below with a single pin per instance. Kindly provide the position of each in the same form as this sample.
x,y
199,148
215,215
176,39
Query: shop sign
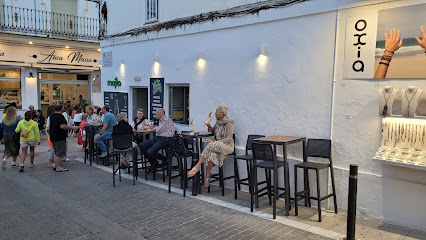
x,y
157,95
114,83
367,34
73,57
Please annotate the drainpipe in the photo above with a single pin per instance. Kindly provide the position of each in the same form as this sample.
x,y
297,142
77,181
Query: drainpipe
x,y
333,93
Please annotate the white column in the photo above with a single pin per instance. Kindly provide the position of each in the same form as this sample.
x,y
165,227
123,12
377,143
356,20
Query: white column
x,y
29,85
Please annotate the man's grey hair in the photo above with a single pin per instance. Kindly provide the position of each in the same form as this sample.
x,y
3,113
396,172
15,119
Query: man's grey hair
x,y
161,110
121,116
140,110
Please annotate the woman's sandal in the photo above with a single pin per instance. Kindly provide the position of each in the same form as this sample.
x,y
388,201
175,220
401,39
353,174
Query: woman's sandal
x,y
206,182
193,169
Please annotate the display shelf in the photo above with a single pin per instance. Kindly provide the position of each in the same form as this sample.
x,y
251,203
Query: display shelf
x,y
419,166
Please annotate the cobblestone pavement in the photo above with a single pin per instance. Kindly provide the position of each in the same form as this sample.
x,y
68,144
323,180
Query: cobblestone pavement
x,y
82,204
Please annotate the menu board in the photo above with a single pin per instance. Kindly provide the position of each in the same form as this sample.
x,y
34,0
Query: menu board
x,y
117,102
156,86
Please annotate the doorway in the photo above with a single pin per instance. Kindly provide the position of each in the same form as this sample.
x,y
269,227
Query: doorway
x,y
140,100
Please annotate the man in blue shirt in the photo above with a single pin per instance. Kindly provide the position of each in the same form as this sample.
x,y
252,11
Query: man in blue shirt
x,y
106,131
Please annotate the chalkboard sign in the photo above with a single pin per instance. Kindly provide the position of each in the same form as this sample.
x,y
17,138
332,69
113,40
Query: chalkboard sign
x,y
117,102
157,95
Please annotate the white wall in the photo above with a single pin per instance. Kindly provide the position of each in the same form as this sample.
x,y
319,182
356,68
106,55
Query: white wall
x,y
291,94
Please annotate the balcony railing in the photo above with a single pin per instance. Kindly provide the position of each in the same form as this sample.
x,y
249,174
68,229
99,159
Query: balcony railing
x,y
49,24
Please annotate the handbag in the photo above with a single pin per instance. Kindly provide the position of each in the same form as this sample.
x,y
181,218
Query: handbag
x,y
24,134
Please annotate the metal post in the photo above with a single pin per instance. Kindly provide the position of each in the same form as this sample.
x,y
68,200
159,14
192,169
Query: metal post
x,y
351,220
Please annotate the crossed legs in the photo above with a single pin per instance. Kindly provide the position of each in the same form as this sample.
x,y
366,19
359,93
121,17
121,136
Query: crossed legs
x,y
197,166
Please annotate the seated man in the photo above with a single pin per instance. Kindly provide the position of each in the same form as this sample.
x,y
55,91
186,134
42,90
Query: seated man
x,y
106,131
164,132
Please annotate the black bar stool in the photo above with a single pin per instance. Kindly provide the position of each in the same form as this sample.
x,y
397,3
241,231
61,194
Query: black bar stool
x,y
318,148
248,157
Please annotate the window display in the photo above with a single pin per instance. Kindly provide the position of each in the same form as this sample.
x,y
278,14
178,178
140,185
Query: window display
x,y
403,140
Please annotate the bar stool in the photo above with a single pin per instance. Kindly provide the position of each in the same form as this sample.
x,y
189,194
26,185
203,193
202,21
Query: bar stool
x,y
248,157
120,144
264,153
318,148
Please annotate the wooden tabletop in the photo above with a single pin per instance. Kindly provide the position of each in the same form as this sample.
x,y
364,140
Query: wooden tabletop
x,y
280,139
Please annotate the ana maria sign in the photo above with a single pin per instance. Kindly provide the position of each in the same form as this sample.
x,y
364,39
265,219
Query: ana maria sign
x,y
114,83
73,57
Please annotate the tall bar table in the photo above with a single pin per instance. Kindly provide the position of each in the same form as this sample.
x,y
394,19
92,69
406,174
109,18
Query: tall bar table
x,y
284,141
198,136
142,134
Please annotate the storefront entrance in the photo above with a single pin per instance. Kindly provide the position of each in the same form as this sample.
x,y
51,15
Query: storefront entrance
x,y
140,100
68,88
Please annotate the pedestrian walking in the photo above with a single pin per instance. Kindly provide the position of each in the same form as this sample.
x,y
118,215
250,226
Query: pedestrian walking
x,y
29,137
10,137
58,132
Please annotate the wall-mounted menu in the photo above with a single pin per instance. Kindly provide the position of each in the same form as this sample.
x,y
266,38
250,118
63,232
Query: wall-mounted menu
x,y
157,95
117,102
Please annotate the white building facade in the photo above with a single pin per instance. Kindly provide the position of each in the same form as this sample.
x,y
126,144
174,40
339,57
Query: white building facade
x,y
293,69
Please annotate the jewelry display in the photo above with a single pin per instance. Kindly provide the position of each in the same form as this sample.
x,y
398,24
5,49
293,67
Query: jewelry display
x,y
403,141
409,91
385,108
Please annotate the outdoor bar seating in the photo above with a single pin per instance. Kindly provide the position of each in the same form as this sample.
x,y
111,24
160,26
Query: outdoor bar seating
x,y
316,148
181,153
248,158
283,141
121,144
260,153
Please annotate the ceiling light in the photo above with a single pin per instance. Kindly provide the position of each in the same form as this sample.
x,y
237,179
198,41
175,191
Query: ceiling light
x,y
30,43
67,46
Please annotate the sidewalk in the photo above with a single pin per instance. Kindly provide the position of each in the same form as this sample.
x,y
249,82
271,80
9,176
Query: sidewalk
x,y
82,204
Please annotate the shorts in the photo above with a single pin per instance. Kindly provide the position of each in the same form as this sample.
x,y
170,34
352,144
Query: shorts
x,y
28,143
60,148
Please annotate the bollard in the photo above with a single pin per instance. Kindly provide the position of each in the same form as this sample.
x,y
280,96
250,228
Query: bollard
x,y
351,220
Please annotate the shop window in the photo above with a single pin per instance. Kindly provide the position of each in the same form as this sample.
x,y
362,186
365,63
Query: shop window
x,y
71,88
151,11
10,87
179,104
10,92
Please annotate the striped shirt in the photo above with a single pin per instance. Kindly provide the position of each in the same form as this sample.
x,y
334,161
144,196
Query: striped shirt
x,y
165,128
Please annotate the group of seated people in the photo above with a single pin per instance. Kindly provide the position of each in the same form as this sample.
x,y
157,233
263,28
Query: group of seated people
x,y
214,153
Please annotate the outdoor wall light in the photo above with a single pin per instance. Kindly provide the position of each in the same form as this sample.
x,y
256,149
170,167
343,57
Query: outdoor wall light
x,y
122,61
31,75
262,59
201,63
156,59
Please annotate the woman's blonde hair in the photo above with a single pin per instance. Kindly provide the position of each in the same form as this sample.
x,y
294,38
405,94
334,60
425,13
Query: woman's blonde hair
x,y
121,116
91,108
11,115
223,109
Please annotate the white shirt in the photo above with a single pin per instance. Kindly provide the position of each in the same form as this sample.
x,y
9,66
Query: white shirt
x,y
78,117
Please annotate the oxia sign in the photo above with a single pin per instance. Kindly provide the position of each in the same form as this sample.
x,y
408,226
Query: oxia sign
x,y
114,83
